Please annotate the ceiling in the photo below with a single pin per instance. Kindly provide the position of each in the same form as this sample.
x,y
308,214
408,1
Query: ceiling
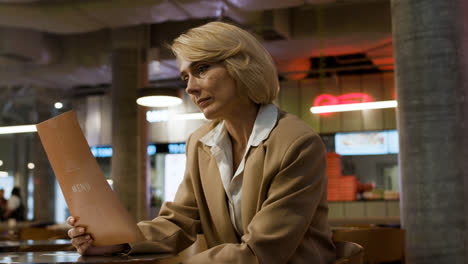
x,y
59,45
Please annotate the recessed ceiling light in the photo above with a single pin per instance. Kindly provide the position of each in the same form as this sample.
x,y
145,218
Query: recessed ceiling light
x,y
58,105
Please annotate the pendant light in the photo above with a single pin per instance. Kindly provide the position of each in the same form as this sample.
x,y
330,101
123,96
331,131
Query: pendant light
x,y
159,97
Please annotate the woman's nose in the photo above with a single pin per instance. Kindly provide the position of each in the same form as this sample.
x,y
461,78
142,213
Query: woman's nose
x,y
192,86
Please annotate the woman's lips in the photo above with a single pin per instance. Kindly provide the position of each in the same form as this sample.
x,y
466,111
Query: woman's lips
x,y
202,102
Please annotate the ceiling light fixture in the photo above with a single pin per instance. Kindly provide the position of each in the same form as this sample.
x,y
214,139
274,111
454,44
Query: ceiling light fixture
x,y
353,107
58,105
17,129
159,97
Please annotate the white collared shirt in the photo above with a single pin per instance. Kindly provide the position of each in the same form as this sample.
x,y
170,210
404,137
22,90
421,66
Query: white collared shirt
x,y
221,149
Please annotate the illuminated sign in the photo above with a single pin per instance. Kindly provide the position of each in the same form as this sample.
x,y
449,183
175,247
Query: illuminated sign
x,y
326,103
367,143
176,148
101,152
151,150
353,107
351,98
106,151
157,116
171,148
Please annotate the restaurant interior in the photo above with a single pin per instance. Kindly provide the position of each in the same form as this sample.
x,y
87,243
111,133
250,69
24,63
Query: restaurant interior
x,y
397,179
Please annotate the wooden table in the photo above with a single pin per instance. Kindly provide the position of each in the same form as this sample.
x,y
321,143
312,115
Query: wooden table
x,y
67,257
36,245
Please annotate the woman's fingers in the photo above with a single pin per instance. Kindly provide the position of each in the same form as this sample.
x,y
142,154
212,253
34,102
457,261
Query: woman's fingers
x,y
71,220
76,231
82,243
78,241
84,247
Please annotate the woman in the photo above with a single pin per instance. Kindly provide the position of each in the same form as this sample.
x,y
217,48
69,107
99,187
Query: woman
x,y
255,181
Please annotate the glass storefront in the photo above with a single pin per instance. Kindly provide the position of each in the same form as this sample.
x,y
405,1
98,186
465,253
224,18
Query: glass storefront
x,y
17,168
167,166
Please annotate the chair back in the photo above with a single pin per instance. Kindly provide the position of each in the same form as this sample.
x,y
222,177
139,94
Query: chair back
x,y
380,244
349,253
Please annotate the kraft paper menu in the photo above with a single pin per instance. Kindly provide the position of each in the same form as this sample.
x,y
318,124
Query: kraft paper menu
x,y
86,191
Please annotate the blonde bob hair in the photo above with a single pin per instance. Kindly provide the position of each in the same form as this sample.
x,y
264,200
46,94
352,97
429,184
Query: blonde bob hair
x,y
245,59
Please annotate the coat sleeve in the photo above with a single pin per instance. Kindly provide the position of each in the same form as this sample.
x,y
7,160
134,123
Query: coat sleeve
x,y
278,228
177,225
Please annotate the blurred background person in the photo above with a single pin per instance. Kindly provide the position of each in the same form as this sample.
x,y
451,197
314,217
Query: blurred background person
x,y
15,206
3,204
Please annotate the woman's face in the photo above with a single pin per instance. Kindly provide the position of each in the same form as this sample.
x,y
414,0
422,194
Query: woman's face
x,y
212,89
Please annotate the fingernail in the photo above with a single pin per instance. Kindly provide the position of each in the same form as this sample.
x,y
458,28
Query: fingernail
x,y
81,230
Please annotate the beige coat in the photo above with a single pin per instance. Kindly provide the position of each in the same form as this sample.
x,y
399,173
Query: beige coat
x,y
284,203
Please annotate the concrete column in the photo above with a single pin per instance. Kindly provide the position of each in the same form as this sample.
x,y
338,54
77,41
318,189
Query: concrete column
x,y
143,193
431,90
22,142
43,177
129,73
462,47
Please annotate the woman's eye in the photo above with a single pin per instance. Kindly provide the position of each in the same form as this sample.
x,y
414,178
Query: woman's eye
x,y
185,79
202,68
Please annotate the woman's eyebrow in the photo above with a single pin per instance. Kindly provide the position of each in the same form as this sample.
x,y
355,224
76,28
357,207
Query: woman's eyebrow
x,y
190,67
182,73
195,64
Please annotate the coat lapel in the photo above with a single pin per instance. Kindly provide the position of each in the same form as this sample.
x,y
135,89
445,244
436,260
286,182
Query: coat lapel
x,y
215,195
251,186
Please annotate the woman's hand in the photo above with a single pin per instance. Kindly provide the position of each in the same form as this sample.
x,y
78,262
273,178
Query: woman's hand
x,y
83,241
79,239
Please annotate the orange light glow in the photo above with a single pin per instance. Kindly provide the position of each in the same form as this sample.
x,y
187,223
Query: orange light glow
x,y
295,69
351,98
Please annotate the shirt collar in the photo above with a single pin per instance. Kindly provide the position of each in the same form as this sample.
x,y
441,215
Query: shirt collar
x,y
266,119
215,136
264,123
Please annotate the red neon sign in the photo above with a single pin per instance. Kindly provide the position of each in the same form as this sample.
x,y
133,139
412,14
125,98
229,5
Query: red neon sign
x,y
351,98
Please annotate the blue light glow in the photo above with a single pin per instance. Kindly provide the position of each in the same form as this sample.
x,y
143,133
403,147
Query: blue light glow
x,y
106,152
102,152
176,148
151,150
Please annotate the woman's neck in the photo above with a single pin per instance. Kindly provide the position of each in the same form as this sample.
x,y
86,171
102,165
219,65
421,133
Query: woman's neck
x,y
239,129
240,125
